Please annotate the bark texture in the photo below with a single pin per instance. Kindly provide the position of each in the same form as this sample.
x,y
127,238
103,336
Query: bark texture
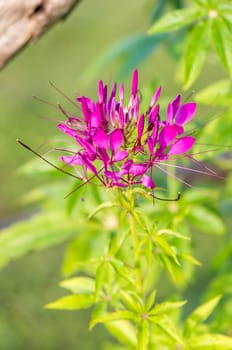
x,y
23,21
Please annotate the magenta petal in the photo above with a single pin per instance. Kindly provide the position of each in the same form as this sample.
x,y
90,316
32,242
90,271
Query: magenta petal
x,y
167,135
186,113
100,139
134,82
100,91
155,96
120,155
169,115
138,169
182,145
153,115
176,104
72,160
116,139
140,126
67,130
85,109
147,182
150,144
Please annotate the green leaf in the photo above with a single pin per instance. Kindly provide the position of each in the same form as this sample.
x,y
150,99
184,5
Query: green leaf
x,y
133,50
167,327
102,207
150,300
122,270
196,52
36,233
211,342
222,41
218,93
131,301
200,314
166,248
114,316
206,220
79,285
124,331
72,302
175,20
166,307
169,232
142,335
188,257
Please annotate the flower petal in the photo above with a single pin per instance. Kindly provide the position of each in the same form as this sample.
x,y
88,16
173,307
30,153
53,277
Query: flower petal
x,y
167,135
182,145
140,126
147,181
67,130
116,139
100,139
186,113
120,155
176,104
155,96
134,82
72,160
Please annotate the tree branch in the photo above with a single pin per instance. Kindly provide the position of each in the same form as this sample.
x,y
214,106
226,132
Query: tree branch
x,y
23,21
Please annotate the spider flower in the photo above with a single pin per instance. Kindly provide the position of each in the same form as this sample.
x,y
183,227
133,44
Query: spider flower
x,y
119,145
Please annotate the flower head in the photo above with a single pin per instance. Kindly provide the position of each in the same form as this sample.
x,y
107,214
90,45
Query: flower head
x,y
119,145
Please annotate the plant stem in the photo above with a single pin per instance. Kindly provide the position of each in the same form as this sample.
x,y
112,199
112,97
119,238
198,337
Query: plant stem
x,y
135,244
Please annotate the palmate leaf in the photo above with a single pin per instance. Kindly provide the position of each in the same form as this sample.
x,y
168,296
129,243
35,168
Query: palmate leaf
x,y
222,40
196,51
36,233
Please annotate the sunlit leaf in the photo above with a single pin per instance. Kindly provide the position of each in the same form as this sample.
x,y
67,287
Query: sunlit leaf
x,y
79,285
124,331
114,316
150,300
102,207
212,342
175,20
72,302
221,36
166,307
200,314
196,52
218,93
167,327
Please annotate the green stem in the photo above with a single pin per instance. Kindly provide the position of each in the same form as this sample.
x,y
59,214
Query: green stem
x,y
135,244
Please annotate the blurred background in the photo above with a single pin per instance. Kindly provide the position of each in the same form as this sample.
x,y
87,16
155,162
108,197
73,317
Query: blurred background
x,y
60,56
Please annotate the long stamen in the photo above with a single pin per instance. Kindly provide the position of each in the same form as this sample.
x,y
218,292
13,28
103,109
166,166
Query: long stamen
x,y
46,160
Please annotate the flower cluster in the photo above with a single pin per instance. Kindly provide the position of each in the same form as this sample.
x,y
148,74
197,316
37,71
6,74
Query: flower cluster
x,y
120,146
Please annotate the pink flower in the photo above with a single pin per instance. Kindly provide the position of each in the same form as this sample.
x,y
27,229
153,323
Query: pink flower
x,y
119,145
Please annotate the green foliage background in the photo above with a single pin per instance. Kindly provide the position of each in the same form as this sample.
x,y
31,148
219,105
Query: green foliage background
x,y
61,56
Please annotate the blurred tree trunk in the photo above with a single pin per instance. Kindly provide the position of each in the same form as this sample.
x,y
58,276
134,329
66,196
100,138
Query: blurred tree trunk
x,y
23,21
